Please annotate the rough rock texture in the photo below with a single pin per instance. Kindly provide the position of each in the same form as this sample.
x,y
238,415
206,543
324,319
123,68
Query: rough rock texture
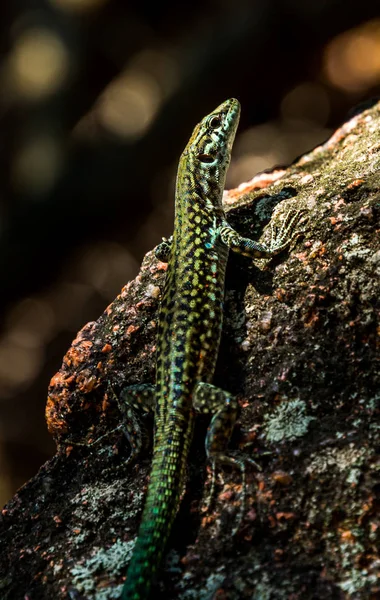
x,y
301,351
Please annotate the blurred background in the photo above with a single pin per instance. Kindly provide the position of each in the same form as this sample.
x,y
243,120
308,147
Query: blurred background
x,y
98,98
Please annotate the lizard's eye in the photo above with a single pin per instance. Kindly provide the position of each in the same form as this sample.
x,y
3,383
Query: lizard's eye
x,y
214,122
206,158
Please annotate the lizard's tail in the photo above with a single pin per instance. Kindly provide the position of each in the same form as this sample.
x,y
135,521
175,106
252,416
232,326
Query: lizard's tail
x,y
161,505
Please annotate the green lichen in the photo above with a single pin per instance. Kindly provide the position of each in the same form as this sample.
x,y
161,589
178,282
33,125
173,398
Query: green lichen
x,y
209,590
358,580
265,591
348,459
104,564
88,499
287,422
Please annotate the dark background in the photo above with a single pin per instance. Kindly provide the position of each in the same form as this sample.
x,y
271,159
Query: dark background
x,y
97,101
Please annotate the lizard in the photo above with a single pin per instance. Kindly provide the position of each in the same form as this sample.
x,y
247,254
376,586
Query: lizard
x,y
189,331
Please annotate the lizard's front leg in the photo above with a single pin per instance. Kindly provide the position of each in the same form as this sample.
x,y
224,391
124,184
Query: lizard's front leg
x,y
162,251
135,402
280,237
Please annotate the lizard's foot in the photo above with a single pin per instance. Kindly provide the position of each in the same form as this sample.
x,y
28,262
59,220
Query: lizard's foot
x,y
239,463
209,398
283,235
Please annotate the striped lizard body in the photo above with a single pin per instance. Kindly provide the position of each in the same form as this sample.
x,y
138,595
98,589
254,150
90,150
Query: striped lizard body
x,y
190,324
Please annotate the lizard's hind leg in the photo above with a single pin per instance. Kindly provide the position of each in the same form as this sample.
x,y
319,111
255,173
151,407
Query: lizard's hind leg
x,y
224,407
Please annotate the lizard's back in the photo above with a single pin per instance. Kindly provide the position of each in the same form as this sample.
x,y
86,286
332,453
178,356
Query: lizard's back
x,y
189,331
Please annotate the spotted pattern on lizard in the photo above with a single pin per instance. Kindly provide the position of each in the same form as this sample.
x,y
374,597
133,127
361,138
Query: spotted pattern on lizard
x,y
190,325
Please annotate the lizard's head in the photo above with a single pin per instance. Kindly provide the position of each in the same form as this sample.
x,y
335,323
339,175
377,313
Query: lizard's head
x,y
212,139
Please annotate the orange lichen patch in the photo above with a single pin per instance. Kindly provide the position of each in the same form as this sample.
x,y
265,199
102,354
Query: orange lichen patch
x,y
61,379
337,219
86,381
333,220
78,353
264,496
207,520
106,348
281,294
341,133
105,403
262,180
57,379
285,515
282,477
141,304
355,184
272,521
161,266
347,536
226,495
367,508
318,250
55,423
258,182
311,319
131,329
302,256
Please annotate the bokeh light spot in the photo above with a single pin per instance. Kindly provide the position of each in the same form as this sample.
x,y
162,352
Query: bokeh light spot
x,y
31,323
78,5
105,266
129,104
18,366
352,59
306,102
37,164
38,64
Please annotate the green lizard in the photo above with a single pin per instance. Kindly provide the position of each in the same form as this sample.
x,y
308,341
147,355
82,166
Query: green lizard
x,y
190,324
